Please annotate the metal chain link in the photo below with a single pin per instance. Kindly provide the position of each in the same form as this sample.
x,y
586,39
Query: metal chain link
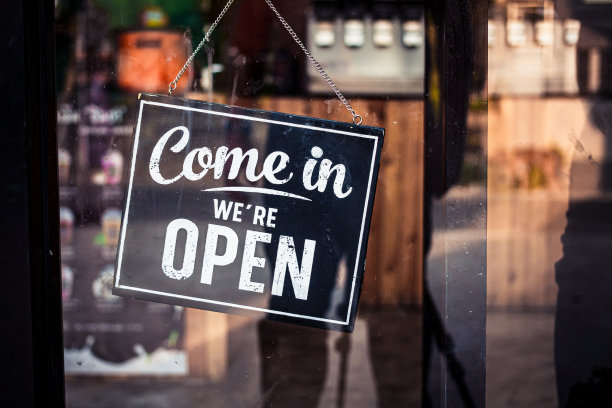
x,y
172,85
357,119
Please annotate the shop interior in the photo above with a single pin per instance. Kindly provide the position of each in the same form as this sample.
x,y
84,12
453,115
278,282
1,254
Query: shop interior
x,y
535,115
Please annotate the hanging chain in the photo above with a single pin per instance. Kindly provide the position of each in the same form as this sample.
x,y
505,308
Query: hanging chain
x,y
357,119
172,85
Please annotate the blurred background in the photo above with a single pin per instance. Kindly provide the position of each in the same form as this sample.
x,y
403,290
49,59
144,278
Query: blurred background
x,y
131,353
548,225
528,209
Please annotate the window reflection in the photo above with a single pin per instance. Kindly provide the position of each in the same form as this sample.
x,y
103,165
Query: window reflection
x,y
167,355
545,207
548,206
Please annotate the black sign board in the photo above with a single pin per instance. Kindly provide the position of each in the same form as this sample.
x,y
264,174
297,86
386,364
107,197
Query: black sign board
x,y
246,211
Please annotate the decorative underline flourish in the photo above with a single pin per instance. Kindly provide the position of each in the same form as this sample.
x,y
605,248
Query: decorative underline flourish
x,y
260,190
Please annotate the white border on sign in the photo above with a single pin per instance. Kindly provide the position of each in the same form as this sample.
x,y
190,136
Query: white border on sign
x,y
216,302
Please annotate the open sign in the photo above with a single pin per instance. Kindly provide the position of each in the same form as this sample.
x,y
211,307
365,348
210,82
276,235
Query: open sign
x,y
245,211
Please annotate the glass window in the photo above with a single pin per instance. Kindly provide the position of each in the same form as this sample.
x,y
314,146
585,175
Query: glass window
x,y
121,351
486,278
548,335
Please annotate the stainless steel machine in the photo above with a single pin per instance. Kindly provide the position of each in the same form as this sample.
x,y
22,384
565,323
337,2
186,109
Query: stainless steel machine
x,y
368,47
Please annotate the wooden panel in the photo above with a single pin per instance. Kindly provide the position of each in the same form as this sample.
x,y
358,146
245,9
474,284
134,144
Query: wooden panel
x,y
411,188
524,230
393,265
398,225
394,260
525,221
388,267
206,343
